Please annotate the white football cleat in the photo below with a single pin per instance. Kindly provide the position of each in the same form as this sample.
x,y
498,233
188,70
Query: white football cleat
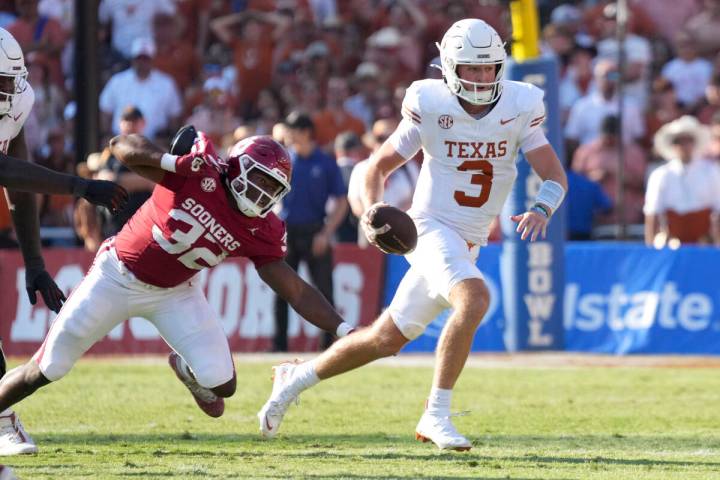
x,y
14,440
208,402
271,414
441,431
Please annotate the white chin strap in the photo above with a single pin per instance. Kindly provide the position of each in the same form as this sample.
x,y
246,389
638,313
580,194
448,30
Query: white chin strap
x,y
471,92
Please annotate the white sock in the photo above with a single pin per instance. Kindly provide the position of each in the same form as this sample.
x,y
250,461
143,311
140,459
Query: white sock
x,y
439,401
304,377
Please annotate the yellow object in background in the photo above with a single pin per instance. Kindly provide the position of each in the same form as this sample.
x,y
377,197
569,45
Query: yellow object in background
x,y
526,30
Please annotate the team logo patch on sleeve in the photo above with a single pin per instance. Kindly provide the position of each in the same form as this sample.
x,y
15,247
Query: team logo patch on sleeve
x,y
208,184
445,121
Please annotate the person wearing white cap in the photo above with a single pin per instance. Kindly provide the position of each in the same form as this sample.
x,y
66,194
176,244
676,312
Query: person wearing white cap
x,y
682,200
152,91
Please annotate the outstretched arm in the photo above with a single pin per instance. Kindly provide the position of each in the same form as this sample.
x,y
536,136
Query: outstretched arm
x,y
546,164
140,155
304,298
22,176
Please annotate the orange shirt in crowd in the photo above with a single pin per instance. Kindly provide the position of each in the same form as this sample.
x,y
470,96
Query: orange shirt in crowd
x,y
328,126
180,61
254,67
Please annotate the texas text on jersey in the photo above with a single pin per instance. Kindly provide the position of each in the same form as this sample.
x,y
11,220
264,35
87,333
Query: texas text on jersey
x,y
188,224
469,165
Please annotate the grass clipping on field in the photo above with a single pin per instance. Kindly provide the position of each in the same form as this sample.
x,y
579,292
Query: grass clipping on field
x,y
121,420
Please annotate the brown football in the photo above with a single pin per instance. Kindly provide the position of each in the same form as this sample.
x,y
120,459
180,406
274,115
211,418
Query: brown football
x,y
400,235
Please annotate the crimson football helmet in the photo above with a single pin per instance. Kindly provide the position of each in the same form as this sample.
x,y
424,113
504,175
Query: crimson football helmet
x,y
254,195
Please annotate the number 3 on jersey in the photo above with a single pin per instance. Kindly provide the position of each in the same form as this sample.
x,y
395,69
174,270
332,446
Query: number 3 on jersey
x,y
483,178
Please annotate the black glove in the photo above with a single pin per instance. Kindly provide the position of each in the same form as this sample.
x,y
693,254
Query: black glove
x,y
36,278
101,192
183,140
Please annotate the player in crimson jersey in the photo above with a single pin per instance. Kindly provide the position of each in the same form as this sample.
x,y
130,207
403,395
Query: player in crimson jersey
x,y
202,210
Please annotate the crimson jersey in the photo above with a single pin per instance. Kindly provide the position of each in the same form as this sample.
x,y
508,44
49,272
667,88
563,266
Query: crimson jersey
x,y
189,224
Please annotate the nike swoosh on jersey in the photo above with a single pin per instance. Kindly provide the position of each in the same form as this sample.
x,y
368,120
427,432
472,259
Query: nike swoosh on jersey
x,y
503,122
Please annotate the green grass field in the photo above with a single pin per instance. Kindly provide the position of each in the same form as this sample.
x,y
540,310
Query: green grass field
x,y
133,420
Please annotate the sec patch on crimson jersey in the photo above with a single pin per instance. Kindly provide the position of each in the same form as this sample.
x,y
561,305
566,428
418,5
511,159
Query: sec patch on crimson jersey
x,y
398,234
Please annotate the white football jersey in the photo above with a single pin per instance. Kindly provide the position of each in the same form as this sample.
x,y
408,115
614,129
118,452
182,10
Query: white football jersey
x,y
12,123
469,164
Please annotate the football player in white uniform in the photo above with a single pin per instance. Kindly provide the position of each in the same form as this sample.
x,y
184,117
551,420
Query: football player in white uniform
x,y
470,126
24,180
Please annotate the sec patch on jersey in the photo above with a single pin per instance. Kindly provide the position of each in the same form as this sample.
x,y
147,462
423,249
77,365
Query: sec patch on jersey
x,y
396,231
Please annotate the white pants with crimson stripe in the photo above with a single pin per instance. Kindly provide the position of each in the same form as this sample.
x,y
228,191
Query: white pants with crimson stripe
x,y
110,294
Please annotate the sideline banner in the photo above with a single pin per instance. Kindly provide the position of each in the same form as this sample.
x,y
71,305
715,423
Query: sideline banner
x,y
243,303
620,298
533,272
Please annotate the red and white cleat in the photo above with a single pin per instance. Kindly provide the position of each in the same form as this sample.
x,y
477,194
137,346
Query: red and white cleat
x,y
441,431
208,402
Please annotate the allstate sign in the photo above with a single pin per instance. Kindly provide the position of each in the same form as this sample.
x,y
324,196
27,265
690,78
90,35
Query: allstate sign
x,y
619,298
622,298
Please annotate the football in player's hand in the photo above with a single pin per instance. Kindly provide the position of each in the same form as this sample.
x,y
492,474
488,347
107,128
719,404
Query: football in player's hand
x,y
396,232
183,140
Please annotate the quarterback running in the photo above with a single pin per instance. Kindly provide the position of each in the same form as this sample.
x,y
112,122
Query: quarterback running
x,y
202,210
470,126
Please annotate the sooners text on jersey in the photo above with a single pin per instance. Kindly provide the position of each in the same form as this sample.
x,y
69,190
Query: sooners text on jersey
x,y
189,224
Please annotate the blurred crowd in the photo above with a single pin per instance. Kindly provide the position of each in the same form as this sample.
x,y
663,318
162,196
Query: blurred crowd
x,y
329,76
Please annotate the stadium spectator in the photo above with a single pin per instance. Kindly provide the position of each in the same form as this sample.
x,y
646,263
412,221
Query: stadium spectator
x,y
139,188
40,34
587,114
713,149
129,20
252,37
576,80
663,108
687,72
317,65
399,186
334,119
683,196
362,103
215,116
175,54
47,113
349,150
195,16
585,200
637,50
704,27
598,161
669,17
152,91
56,210
312,211
712,100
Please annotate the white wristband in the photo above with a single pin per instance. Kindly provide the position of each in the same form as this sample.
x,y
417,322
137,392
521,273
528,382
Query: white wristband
x,y
168,162
343,329
551,193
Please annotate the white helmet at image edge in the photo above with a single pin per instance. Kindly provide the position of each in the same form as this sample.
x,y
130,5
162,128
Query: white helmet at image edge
x,y
472,42
13,73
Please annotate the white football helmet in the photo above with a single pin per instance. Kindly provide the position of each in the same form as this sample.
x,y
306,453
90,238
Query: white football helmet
x,y
472,42
13,74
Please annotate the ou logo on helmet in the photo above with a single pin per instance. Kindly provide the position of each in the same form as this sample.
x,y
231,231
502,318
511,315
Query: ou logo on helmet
x,y
445,121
